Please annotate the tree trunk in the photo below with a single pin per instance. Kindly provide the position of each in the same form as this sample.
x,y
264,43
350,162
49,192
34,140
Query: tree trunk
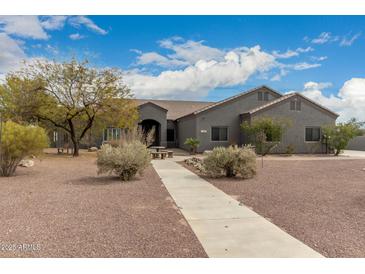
x,y
76,149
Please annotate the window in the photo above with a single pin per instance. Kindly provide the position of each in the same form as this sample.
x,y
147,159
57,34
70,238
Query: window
x,y
219,134
312,134
296,105
259,96
170,135
263,96
111,134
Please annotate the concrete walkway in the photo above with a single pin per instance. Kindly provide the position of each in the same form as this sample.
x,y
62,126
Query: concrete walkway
x,y
223,226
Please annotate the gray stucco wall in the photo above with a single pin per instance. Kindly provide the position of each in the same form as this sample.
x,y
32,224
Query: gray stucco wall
x,y
295,135
227,115
357,143
151,111
186,128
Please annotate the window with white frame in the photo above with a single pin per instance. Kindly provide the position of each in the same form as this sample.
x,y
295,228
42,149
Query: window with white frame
x,y
219,134
111,134
312,134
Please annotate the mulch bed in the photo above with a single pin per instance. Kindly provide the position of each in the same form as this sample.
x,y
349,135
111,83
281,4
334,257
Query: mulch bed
x,y
320,202
61,208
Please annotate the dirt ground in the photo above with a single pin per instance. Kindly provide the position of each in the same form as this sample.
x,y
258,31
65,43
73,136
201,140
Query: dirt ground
x,y
61,208
320,202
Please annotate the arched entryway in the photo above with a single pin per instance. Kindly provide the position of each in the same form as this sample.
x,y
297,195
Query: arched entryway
x,y
150,124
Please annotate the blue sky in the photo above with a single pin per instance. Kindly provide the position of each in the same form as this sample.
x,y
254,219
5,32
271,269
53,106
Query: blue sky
x,y
206,57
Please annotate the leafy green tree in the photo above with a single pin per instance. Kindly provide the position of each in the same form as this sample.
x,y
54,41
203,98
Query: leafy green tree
x,y
71,96
193,143
18,141
338,136
265,133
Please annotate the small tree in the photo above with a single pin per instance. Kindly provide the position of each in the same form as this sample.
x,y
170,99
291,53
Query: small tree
x,y
193,143
17,142
265,133
338,136
70,95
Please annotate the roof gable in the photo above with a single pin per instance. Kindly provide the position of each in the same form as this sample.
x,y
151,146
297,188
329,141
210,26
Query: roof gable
x,y
236,97
286,97
152,104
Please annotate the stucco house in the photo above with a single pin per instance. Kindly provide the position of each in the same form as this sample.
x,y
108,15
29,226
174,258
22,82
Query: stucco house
x,y
218,123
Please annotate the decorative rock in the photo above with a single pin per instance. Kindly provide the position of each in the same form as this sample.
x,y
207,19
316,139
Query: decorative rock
x,y
92,149
26,163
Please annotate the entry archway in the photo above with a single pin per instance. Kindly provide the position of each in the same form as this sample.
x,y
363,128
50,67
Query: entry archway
x,y
149,124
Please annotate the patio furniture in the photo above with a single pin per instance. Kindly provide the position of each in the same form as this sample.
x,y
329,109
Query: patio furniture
x,y
159,154
157,148
170,153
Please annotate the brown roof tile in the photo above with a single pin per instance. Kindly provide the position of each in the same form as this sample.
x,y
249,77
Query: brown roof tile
x,y
176,109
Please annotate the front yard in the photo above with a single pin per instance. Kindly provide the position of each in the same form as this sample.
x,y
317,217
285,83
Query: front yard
x,y
63,209
320,201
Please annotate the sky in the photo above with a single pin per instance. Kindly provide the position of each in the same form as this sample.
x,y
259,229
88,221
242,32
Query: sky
x,y
205,57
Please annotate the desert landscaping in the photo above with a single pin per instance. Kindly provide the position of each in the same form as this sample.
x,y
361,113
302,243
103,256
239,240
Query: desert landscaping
x,y
64,209
317,199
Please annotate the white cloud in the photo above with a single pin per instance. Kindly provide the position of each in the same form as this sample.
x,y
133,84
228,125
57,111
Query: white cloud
x,y
323,38
158,59
23,26
77,21
76,36
191,51
327,37
196,80
11,54
349,102
349,40
319,58
55,22
52,49
303,66
291,53
303,50
285,55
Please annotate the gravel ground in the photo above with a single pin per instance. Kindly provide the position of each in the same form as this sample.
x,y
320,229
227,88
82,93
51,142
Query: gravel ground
x,y
321,203
60,208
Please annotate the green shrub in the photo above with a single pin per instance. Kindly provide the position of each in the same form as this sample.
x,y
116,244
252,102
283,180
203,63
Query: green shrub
x,y
17,142
125,161
193,143
289,149
338,136
230,162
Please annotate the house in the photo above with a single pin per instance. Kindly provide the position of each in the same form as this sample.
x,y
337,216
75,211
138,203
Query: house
x,y
218,123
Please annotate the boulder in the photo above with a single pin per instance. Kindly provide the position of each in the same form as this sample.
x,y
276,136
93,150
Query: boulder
x,y
26,163
92,149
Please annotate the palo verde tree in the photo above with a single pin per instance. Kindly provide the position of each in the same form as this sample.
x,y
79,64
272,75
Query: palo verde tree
x,y
71,96
265,133
338,136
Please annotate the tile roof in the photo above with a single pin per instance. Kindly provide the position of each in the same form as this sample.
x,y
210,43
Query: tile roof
x,y
176,108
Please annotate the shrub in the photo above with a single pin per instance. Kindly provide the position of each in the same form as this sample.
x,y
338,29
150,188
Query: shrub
x,y
230,162
338,136
289,149
17,142
265,133
193,143
125,161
